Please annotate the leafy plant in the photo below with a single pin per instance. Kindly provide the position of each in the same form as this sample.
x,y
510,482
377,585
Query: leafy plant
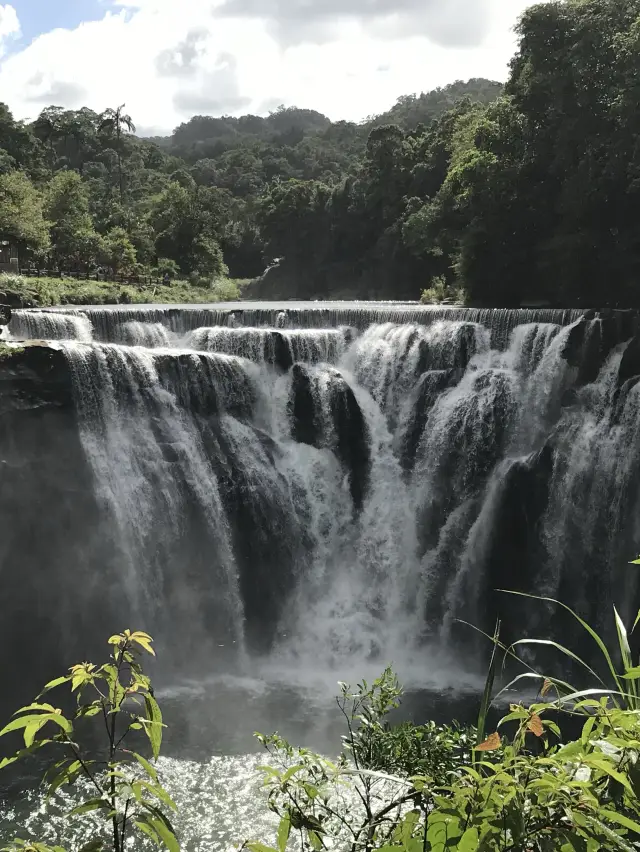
x,y
123,785
360,799
531,792
619,683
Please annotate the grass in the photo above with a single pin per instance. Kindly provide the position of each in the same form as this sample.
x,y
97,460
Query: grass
x,y
46,292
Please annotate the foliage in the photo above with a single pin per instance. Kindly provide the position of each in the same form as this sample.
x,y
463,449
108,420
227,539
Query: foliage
x,y
44,291
123,785
75,243
21,212
529,791
9,350
215,196
118,252
515,195
168,267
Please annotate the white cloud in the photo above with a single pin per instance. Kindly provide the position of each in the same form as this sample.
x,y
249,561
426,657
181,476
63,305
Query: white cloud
x,y
9,25
167,60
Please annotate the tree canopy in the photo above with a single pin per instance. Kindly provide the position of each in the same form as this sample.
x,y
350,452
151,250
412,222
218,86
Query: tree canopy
x,y
520,194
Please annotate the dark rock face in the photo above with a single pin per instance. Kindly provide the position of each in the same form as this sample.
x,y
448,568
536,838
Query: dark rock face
x,y
352,445
430,386
269,546
55,601
347,434
592,339
523,502
305,428
630,363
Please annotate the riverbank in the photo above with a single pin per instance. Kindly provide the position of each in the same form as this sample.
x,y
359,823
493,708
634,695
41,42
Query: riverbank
x,y
17,291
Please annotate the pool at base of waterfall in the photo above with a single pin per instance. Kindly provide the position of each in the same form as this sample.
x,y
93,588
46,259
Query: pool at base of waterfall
x,y
285,496
210,763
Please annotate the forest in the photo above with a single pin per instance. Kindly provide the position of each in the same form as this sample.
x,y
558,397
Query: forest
x,y
526,193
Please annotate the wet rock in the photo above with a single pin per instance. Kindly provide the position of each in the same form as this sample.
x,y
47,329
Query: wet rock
x,y
305,428
281,353
353,441
431,385
572,351
346,434
630,363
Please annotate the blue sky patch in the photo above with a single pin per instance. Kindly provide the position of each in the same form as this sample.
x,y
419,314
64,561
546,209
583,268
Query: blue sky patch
x,y
41,16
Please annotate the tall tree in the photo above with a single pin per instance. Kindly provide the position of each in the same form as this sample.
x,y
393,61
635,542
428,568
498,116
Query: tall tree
x,y
116,124
75,241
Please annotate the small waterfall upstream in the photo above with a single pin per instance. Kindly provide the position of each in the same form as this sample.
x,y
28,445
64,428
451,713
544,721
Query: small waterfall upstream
x,y
349,483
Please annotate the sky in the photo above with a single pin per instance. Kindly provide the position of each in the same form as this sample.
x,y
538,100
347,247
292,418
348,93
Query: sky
x,y
170,59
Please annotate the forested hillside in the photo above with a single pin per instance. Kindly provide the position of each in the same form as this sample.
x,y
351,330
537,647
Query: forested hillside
x,y
500,196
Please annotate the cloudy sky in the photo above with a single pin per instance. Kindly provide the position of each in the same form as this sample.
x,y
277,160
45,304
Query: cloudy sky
x,y
170,59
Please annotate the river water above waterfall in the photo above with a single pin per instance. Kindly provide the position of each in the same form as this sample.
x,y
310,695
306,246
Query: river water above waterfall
x,y
286,496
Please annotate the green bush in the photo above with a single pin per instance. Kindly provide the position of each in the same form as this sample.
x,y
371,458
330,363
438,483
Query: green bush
x,y
440,291
10,281
123,787
427,789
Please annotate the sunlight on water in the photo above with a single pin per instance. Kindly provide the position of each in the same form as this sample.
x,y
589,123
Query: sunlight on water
x,y
288,495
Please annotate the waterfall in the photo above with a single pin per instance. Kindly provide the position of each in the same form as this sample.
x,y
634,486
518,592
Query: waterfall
x,y
50,325
352,482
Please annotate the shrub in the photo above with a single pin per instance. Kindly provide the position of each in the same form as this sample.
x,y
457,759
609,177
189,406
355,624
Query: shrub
x,y
440,291
395,789
10,281
123,786
169,267
225,290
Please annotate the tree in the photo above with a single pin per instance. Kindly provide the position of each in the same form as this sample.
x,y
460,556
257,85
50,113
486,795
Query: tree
x,y
21,212
118,252
74,239
115,124
20,143
48,127
189,224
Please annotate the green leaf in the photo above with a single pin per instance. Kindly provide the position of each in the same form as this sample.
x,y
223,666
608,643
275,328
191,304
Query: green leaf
x,y
144,763
47,708
408,826
160,793
25,721
316,841
602,764
147,829
260,847
30,733
153,727
621,819
291,772
144,640
91,805
67,776
284,830
441,828
58,681
166,835
7,761
469,841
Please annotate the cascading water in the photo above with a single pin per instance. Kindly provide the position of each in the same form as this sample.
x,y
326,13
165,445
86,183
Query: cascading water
x,y
353,492
289,493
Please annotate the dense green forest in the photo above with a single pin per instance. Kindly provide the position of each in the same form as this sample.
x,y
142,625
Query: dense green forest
x,y
500,195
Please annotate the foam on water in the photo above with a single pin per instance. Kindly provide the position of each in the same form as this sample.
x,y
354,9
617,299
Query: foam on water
x,y
285,506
